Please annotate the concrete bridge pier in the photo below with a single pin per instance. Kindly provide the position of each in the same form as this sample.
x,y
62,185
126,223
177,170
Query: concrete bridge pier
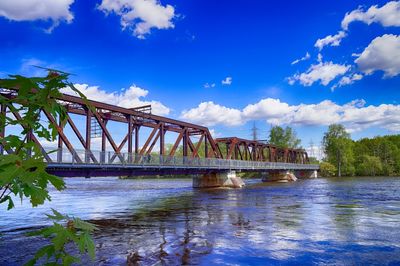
x,y
218,179
306,174
278,176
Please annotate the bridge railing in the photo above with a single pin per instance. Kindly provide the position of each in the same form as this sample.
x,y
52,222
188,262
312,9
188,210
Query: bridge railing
x,y
63,156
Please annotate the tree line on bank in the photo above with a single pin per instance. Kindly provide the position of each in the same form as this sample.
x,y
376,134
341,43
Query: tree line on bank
x,y
378,156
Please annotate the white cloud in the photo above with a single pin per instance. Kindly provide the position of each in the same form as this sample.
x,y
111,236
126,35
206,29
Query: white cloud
x,y
214,133
332,40
383,53
28,10
129,98
210,114
324,72
227,81
347,80
140,15
387,15
304,58
355,115
209,85
269,107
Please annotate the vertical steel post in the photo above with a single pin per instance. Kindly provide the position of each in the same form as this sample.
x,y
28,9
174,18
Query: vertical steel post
x,y
103,144
205,146
185,142
162,134
130,131
60,142
88,134
137,139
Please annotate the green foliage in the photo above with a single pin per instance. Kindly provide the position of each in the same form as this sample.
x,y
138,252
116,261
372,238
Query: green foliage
x,y
369,166
65,230
22,168
313,160
375,156
22,172
327,169
284,137
385,148
338,149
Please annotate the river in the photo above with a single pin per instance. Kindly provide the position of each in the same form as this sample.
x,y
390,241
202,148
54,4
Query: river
x,y
345,221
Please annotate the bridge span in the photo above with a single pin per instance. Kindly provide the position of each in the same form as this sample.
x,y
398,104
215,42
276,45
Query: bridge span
x,y
87,145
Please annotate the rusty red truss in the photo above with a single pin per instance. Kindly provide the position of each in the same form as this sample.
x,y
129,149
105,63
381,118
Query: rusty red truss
x,y
191,139
242,149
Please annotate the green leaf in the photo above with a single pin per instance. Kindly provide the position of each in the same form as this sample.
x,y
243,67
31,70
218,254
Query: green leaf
x,y
86,243
57,182
60,237
57,216
69,260
85,226
10,202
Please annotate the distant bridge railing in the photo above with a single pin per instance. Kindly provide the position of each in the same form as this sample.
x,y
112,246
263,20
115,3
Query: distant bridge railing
x,y
63,157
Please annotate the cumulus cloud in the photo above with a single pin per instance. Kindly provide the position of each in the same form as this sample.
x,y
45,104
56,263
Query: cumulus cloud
x,y
269,107
129,98
387,15
227,81
347,80
331,40
140,16
383,53
304,58
355,115
210,114
29,10
324,72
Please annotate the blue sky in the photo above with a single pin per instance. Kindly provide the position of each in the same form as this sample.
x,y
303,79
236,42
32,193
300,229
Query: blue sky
x,y
175,55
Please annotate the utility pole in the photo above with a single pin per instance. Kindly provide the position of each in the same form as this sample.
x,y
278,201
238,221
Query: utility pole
x,y
312,152
254,131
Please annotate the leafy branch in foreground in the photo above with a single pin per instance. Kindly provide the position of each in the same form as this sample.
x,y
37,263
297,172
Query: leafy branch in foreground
x,y
22,161
22,170
75,232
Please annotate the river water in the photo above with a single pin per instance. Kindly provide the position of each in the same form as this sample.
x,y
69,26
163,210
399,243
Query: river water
x,y
348,221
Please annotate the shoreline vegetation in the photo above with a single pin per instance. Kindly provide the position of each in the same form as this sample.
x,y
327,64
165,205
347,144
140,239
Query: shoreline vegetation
x,y
377,156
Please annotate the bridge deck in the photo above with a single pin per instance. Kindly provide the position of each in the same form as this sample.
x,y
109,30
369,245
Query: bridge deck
x,y
117,164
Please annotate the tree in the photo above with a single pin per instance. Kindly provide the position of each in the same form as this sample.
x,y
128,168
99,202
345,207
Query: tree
x,y
284,137
22,167
338,149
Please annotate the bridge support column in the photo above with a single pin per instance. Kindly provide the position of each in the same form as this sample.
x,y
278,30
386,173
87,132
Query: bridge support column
x,y
278,176
224,179
306,174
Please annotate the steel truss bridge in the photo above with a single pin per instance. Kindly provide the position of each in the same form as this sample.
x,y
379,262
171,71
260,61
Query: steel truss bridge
x,y
143,150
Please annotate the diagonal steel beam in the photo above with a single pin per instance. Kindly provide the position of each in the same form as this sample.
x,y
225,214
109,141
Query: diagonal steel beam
x,y
176,144
79,136
63,136
108,135
196,151
33,137
153,132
